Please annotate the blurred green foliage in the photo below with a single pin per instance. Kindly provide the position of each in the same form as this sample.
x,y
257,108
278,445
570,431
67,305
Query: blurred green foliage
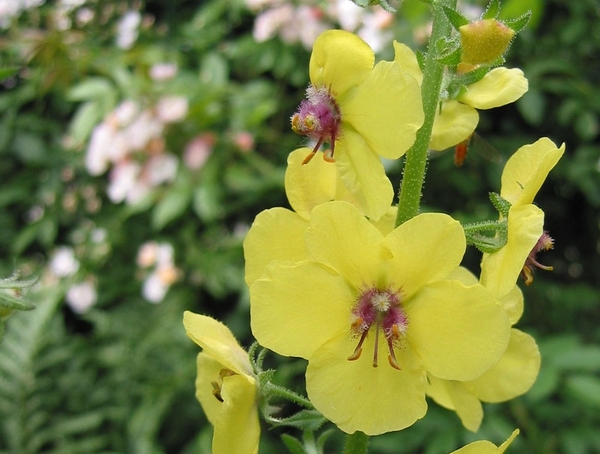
x,y
120,377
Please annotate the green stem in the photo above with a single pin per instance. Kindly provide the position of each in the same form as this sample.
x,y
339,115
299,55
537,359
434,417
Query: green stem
x,y
289,395
416,157
356,443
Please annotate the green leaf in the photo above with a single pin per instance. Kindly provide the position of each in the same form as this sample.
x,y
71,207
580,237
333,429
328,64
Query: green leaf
x,y
7,72
90,89
87,116
519,23
585,388
456,19
492,10
583,357
174,204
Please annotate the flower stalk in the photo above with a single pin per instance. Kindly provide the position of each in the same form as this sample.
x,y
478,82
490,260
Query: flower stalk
x,y
416,156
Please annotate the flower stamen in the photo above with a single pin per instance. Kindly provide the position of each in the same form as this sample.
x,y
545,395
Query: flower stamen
x,y
544,243
381,310
319,118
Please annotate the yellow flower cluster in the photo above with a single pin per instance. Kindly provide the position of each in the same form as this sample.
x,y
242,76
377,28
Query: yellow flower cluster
x,y
385,315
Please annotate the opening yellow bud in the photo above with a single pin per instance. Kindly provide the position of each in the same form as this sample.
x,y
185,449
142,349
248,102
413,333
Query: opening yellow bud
x,y
484,41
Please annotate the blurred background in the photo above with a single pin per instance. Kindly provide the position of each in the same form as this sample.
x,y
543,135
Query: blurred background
x,y
138,141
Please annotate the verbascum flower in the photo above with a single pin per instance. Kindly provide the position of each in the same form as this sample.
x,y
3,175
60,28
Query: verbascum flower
x,y
226,386
522,178
386,296
457,118
512,376
365,112
278,233
486,447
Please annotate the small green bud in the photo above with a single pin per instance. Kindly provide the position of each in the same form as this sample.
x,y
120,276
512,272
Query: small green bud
x,y
484,41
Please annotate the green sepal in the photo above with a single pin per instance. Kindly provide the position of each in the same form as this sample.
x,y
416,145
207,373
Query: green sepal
x,y
14,302
472,76
501,204
305,419
448,51
494,240
518,24
492,11
455,90
293,444
456,19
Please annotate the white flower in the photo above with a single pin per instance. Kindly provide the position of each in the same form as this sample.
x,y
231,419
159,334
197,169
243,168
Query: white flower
x,y
123,178
171,109
269,22
127,29
163,71
81,297
63,262
96,158
161,168
198,150
147,253
154,289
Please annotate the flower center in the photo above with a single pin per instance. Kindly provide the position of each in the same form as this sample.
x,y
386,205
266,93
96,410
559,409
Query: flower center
x,y
544,243
217,385
381,310
318,117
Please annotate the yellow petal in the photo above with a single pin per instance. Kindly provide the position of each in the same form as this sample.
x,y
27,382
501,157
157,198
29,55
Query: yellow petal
x,y
217,341
310,185
486,447
385,110
425,249
387,222
454,395
478,447
208,372
237,429
513,375
276,234
341,238
295,309
459,332
499,87
513,304
527,169
463,275
340,61
500,270
408,61
507,443
354,395
453,125
363,174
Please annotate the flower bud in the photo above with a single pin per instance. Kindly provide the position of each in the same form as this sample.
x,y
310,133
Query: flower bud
x,y
484,41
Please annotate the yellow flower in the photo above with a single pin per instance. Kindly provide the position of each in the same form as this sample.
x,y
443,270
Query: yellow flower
x,y
226,386
512,376
363,291
364,111
522,178
278,233
458,118
486,447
